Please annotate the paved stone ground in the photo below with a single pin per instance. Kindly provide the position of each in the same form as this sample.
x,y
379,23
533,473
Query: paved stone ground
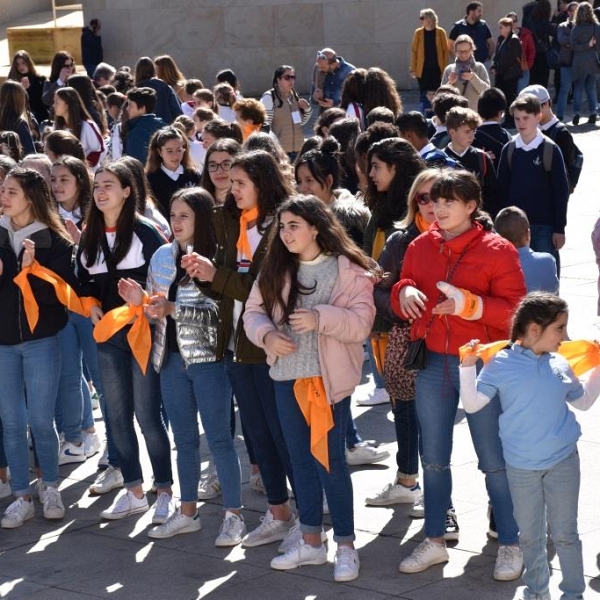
x,y
83,557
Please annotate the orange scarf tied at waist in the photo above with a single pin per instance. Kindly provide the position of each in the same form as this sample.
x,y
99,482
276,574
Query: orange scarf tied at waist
x,y
312,400
243,244
64,292
139,337
582,355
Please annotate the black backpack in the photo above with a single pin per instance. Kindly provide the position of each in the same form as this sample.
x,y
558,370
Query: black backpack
x,y
575,166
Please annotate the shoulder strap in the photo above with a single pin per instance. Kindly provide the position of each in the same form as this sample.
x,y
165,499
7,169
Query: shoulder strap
x,y
482,164
108,258
510,150
547,153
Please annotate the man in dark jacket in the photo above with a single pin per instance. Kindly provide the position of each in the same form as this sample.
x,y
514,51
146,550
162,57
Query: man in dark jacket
x,y
142,122
91,46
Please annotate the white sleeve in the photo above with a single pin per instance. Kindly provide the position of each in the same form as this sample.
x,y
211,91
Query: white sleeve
x,y
267,101
591,390
472,400
89,140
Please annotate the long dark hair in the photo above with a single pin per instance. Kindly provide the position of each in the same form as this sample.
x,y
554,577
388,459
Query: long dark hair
x,y
77,111
141,181
228,145
280,266
144,69
279,71
322,162
14,72
36,190
271,185
13,105
391,205
380,90
158,140
58,62
94,222
202,203
87,92
79,170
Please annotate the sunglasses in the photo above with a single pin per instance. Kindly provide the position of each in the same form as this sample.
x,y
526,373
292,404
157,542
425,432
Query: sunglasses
x,y
69,64
423,199
321,56
289,77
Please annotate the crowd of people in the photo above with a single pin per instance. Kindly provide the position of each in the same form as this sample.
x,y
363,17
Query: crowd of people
x,y
174,250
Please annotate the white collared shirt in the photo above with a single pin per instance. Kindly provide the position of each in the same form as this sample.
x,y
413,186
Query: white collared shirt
x,y
425,149
549,124
174,175
535,142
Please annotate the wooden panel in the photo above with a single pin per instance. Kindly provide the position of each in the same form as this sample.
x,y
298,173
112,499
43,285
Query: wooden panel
x,y
42,43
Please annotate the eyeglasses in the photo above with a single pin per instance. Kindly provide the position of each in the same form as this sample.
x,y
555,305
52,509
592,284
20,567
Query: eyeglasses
x,y
289,77
69,64
423,199
225,166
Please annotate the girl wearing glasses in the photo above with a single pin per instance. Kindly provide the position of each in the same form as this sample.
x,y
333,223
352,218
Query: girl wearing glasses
x,y
286,111
217,164
62,67
169,166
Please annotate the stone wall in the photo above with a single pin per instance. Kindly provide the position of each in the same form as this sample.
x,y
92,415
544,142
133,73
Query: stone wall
x,y
14,9
253,37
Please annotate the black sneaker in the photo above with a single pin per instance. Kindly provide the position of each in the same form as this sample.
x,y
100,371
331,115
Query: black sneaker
x,y
575,119
451,534
492,531
592,120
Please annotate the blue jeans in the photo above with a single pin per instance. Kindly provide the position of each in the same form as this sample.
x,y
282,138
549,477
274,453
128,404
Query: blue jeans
x,y
523,81
565,88
588,82
407,436
129,392
437,396
32,369
255,395
203,388
310,476
555,491
541,241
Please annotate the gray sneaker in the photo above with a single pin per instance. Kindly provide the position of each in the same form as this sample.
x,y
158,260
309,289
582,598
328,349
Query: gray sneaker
x,y
53,504
270,530
232,531
176,524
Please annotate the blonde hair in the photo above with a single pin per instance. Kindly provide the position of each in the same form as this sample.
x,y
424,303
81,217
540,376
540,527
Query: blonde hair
x,y
412,207
429,13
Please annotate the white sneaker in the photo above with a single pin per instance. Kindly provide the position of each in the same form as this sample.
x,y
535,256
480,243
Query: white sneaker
x,y
256,484
53,504
509,563
5,490
232,531
293,537
395,493
70,453
346,564
418,509
298,555
377,396
365,454
164,508
125,504
425,555
91,443
17,513
270,530
177,523
209,487
38,488
107,480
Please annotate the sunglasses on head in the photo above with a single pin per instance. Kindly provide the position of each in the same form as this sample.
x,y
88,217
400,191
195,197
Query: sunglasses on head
x,y
423,199
322,56
421,18
289,77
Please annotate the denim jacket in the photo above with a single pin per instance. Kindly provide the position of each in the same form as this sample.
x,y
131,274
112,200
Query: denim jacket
x,y
335,80
196,315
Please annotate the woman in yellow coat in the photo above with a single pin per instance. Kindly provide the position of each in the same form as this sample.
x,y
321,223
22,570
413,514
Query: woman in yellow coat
x,y
428,56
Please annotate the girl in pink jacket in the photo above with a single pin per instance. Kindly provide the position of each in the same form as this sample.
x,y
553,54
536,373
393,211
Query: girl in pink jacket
x,y
310,310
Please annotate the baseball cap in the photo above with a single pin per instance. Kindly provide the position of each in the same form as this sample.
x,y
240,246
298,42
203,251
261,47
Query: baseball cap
x,y
539,91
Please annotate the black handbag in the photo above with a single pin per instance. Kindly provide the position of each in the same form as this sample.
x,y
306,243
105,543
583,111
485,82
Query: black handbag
x,y
416,354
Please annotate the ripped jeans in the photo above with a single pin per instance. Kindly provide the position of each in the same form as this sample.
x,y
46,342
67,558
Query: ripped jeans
x,y
436,402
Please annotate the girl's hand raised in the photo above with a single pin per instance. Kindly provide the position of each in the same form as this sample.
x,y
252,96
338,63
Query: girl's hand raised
x,y
29,254
131,291
199,267
412,302
303,320
279,344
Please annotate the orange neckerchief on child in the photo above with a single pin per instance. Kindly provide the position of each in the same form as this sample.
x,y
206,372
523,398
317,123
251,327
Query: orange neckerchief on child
x,y
378,244
139,338
582,355
248,129
421,223
64,293
243,244
312,400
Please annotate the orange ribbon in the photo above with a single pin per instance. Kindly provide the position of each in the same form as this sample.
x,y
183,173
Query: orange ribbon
x,y
139,337
471,304
243,244
312,400
379,344
582,355
64,293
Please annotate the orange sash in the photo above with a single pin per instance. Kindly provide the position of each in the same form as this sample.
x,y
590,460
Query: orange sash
x,y
64,292
243,244
379,344
139,337
312,400
582,355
